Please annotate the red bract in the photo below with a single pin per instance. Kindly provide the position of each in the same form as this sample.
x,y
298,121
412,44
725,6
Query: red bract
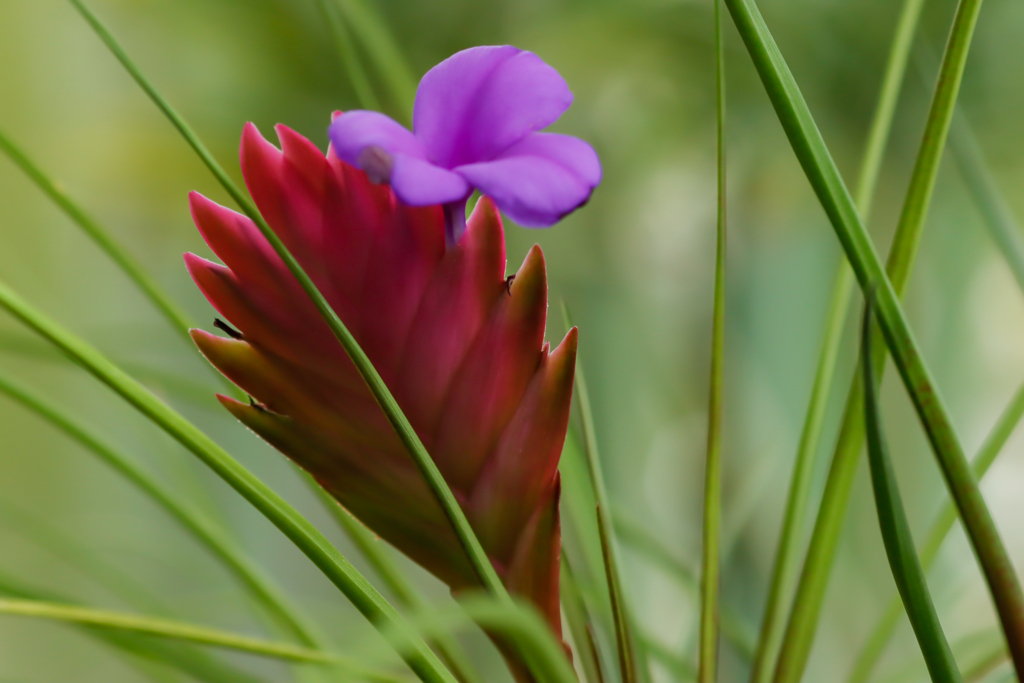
x,y
462,352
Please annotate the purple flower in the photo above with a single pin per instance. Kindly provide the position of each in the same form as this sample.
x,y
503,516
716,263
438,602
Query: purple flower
x,y
475,126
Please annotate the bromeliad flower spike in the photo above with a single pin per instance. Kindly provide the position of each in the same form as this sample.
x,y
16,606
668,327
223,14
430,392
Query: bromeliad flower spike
x,y
475,124
463,354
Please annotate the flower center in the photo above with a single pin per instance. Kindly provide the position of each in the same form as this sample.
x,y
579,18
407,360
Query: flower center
x,y
377,164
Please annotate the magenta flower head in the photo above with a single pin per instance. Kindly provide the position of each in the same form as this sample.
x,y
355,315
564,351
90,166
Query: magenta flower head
x,y
475,126
461,349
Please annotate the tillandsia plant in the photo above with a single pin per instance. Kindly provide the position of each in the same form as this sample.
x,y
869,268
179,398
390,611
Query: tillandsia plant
x,y
370,329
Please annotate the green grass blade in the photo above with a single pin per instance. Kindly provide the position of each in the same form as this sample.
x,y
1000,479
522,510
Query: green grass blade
x,y
620,616
899,543
179,630
174,315
824,177
787,551
995,210
349,56
707,660
474,551
385,53
260,586
580,625
187,658
940,528
376,553
296,527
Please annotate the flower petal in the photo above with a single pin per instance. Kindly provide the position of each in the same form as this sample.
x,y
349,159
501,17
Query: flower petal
x,y
352,132
540,179
421,183
479,101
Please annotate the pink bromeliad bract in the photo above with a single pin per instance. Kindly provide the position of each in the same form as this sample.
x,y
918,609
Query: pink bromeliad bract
x,y
462,352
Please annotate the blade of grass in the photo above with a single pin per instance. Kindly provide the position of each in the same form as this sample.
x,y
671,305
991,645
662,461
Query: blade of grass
x,y
707,660
791,535
349,56
892,520
620,617
940,528
580,625
383,49
133,270
824,177
234,559
735,629
404,592
179,630
296,527
189,659
474,551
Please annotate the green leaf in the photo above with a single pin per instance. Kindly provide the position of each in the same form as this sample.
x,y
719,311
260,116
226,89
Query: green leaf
x,y
260,586
580,625
707,660
892,520
791,534
940,528
296,527
620,615
824,177
179,630
470,543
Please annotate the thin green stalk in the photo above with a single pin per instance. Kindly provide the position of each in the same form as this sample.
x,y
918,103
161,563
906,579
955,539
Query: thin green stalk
x,y
580,625
787,553
189,659
892,520
405,593
349,56
262,588
707,661
824,177
940,528
734,627
174,315
474,551
609,551
179,630
296,527
383,49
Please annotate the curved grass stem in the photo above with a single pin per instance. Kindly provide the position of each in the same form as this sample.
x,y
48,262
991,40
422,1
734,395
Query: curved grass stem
x,y
892,520
478,558
296,527
707,660
790,536
824,177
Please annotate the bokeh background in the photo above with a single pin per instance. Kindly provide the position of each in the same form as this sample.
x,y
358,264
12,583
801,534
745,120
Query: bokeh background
x,y
635,266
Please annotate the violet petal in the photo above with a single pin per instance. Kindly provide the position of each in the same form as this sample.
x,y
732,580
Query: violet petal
x,y
355,131
539,179
420,183
479,101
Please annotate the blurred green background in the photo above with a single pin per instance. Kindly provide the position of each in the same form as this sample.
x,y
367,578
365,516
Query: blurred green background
x,y
635,265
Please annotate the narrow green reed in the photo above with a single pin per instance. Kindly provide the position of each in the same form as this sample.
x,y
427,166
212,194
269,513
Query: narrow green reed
x,y
937,532
297,528
349,56
376,553
787,552
892,520
383,49
189,659
580,626
478,558
707,659
620,615
179,630
824,177
217,542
